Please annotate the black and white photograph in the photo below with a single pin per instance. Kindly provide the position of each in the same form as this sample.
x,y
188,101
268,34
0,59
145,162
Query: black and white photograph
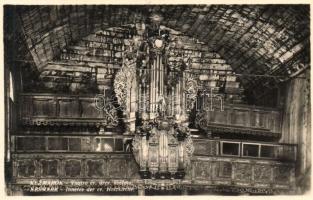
x,y
156,100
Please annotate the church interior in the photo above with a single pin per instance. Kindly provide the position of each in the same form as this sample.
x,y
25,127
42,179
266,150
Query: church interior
x,y
157,99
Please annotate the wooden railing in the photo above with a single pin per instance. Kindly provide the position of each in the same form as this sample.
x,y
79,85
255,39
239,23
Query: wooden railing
x,y
239,118
71,143
237,168
242,172
245,149
248,175
122,143
52,109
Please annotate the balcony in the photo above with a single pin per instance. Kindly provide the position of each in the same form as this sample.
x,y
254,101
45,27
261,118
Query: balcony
x,y
240,119
67,110
216,165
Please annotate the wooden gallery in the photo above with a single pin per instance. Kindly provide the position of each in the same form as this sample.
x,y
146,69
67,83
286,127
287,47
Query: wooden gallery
x,y
157,100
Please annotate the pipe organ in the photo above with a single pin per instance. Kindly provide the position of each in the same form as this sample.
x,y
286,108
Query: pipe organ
x,y
162,144
177,117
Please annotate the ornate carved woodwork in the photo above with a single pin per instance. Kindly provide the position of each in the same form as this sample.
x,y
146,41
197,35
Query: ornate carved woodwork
x,y
66,110
115,143
26,168
159,78
213,171
162,151
242,119
72,168
262,173
95,168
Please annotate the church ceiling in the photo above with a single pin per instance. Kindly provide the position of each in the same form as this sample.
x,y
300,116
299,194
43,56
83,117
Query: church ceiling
x,y
264,40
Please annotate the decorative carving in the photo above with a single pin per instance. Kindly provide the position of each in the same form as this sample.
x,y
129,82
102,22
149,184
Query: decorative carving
x,y
68,111
120,86
163,148
172,79
116,168
222,122
72,168
49,168
26,168
206,147
262,173
189,149
282,174
224,169
243,172
202,170
110,114
95,168
201,120
191,89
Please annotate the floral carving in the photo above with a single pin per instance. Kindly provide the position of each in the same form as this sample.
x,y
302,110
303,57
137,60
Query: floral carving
x,y
110,116
262,173
243,172
121,82
190,90
189,149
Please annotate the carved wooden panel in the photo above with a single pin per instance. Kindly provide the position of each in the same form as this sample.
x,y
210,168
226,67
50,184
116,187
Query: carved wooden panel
x,y
282,174
262,173
58,143
89,110
209,148
202,170
49,168
95,168
26,168
219,116
117,168
74,144
44,107
72,168
69,108
259,119
27,108
224,169
30,144
52,109
276,125
243,172
240,118
243,115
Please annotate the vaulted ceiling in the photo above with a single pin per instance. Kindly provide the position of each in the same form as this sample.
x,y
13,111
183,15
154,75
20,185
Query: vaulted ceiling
x,y
262,43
